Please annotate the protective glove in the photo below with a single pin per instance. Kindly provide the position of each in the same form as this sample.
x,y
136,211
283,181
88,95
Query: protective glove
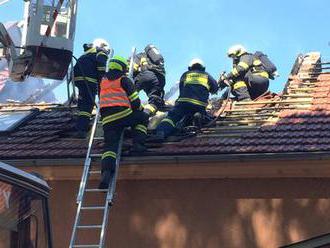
x,y
229,76
223,77
223,80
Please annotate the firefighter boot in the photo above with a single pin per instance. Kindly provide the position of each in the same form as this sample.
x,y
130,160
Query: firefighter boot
x,y
105,179
197,120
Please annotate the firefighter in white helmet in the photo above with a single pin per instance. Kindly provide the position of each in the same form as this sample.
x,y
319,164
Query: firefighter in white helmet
x,y
88,72
250,73
195,86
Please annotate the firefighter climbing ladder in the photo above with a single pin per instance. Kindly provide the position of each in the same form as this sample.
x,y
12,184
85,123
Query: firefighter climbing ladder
x,y
84,191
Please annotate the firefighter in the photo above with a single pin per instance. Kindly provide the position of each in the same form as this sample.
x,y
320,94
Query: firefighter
x,y
195,86
120,108
149,76
249,77
88,73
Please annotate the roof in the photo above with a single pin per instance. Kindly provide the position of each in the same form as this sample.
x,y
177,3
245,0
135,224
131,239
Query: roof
x,y
298,120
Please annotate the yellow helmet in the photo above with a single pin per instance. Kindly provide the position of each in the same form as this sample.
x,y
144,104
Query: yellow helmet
x,y
236,51
118,63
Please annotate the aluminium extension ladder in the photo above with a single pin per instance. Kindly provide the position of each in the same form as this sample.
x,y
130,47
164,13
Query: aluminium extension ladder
x,y
85,192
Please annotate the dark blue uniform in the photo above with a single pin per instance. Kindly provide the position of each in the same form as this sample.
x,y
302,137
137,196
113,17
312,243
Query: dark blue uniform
x,y
195,87
88,73
249,77
150,78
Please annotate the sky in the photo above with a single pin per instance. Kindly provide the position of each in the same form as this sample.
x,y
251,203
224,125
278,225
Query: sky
x,y
185,29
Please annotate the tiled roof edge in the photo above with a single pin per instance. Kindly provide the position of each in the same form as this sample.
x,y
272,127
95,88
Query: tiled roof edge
x,y
173,160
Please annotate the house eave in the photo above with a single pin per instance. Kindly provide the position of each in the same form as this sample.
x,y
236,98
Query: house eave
x,y
179,159
267,165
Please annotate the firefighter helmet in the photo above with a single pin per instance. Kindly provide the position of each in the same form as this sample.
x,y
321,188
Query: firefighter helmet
x,y
102,44
118,63
196,63
236,51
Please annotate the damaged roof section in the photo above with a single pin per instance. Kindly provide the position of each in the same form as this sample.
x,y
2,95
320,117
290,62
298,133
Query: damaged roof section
x,y
297,120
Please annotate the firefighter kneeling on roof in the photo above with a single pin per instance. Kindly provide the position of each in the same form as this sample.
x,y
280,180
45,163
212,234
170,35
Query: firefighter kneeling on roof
x,y
120,107
195,86
250,74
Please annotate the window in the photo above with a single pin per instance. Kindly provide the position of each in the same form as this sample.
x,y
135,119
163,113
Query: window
x,y
10,120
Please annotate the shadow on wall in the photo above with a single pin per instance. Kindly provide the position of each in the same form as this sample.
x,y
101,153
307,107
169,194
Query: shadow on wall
x,y
235,213
220,213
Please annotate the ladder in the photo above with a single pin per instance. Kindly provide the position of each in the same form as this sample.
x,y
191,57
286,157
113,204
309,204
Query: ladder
x,y
85,191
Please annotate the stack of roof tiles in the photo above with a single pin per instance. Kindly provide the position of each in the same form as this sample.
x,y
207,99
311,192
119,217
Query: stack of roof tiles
x,y
296,121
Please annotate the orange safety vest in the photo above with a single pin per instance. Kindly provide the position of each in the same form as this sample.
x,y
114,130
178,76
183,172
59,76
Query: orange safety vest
x,y
112,94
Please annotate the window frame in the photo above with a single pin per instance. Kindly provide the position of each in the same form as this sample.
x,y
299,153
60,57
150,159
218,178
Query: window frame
x,y
30,114
30,182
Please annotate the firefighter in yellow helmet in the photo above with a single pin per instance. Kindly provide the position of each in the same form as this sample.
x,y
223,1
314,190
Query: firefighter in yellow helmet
x,y
120,107
249,75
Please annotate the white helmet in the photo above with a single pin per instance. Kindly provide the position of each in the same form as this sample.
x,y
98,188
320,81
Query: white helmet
x,y
101,43
196,62
236,50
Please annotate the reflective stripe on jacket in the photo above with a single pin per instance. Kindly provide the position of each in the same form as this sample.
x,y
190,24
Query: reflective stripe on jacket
x,y
193,101
112,94
195,87
245,63
90,67
197,79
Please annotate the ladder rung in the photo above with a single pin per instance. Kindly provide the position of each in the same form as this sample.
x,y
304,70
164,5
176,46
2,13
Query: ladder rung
x,y
90,227
96,190
93,208
99,138
86,246
95,172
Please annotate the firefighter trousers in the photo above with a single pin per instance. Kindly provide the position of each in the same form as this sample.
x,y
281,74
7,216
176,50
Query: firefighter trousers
x,y
182,109
251,87
137,120
153,85
258,86
86,102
